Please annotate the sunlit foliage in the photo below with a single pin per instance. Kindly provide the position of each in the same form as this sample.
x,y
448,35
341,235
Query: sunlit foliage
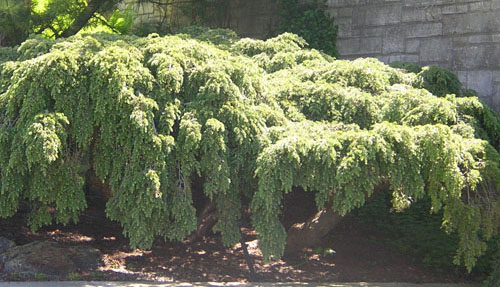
x,y
252,119
56,18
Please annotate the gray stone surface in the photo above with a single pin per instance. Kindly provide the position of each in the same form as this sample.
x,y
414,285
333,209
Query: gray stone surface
x,y
51,259
460,35
249,18
435,50
230,284
5,244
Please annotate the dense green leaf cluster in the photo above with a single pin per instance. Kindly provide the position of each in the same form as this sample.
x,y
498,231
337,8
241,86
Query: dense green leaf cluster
x,y
437,80
151,116
414,232
408,66
311,21
493,263
13,23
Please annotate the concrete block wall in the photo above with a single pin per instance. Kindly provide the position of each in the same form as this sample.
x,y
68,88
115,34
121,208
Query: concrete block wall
x,y
462,35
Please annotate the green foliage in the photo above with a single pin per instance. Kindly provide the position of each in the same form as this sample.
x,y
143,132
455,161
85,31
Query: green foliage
x,y
494,279
97,275
221,37
250,120
15,276
122,21
410,67
52,18
47,17
7,54
74,277
437,80
310,20
440,81
108,21
490,263
40,276
415,232
13,24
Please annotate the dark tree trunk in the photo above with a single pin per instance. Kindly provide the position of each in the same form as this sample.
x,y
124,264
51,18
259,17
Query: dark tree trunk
x,y
3,39
206,220
254,277
311,232
96,187
84,17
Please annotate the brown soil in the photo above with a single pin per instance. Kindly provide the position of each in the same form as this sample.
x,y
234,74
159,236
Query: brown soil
x,y
360,254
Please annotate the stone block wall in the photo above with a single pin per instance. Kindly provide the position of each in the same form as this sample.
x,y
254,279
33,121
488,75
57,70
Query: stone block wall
x,y
255,18
144,12
463,35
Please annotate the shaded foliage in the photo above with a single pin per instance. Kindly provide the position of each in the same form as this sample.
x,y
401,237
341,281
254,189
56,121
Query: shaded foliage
x,y
252,119
224,38
13,28
410,67
437,80
311,21
415,232
440,81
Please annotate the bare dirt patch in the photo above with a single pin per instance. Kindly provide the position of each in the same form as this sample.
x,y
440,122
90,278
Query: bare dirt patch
x,y
359,254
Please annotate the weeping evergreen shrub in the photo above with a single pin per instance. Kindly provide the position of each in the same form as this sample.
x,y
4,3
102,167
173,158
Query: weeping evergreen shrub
x,y
250,119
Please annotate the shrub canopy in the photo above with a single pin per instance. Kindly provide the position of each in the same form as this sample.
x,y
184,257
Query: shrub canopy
x,y
251,119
